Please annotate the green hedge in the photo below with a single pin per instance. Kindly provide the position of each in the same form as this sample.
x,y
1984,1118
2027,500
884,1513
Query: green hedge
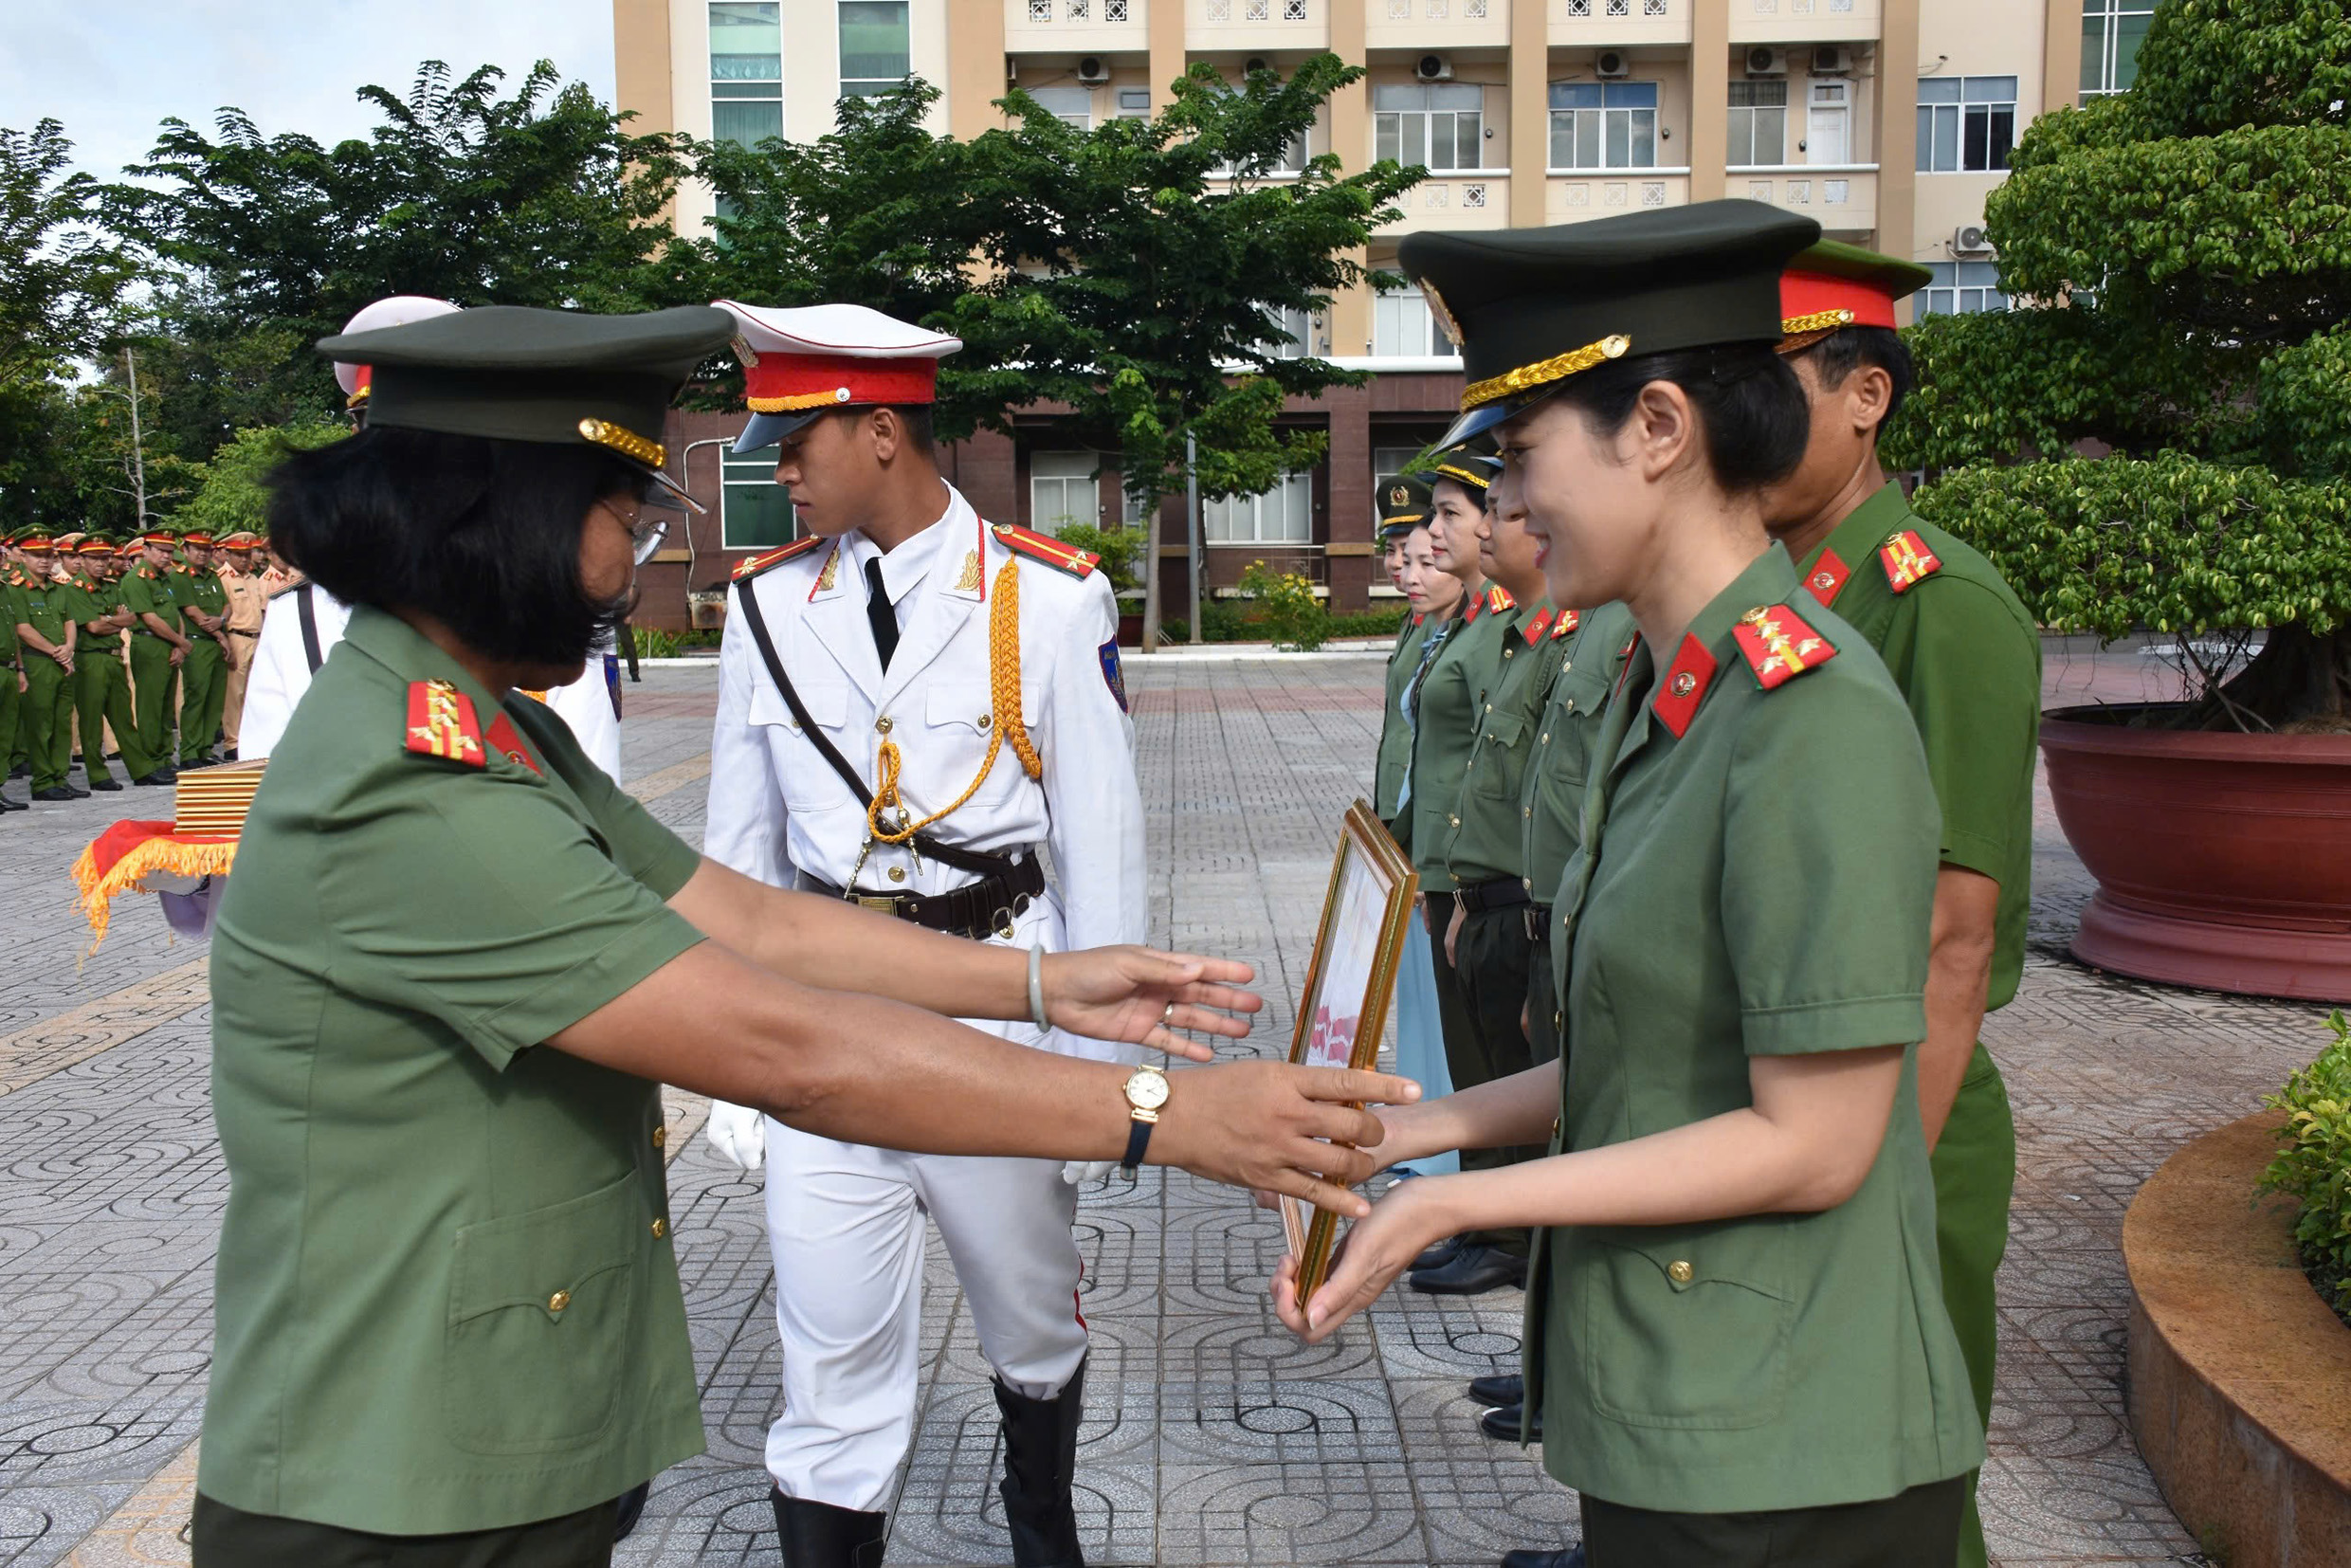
x,y
2315,1165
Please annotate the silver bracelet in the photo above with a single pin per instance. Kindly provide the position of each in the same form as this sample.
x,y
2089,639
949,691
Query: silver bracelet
x,y
1036,990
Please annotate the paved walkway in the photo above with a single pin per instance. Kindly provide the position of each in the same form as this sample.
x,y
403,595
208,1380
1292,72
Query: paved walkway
x,y
1213,1438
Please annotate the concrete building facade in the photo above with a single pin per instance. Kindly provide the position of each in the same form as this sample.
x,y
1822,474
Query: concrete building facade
x,y
1890,120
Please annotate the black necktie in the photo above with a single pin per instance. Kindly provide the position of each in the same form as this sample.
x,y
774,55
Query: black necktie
x,y
878,613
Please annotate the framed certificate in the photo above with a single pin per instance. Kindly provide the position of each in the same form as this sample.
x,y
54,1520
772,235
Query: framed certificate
x,y
1348,982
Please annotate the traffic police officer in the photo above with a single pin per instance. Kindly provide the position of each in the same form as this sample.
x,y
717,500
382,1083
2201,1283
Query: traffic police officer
x,y
159,641
44,608
248,601
1735,1331
1968,660
912,703
204,677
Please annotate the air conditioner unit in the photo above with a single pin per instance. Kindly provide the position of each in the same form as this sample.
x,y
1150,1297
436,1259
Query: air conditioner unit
x,y
1761,61
1971,239
1832,59
1094,71
1611,62
1434,67
1254,63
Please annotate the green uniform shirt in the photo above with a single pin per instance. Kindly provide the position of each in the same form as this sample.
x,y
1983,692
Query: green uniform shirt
x,y
44,604
1446,726
1487,843
1759,885
1968,660
447,1298
1396,735
91,603
148,592
200,590
1551,798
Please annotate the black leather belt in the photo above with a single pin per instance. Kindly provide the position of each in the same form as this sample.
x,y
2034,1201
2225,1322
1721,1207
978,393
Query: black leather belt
x,y
1537,917
1501,893
978,909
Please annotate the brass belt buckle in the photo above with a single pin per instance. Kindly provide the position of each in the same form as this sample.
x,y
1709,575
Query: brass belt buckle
x,y
879,905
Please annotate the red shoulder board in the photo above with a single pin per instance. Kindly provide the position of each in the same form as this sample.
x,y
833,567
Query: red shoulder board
x,y
1907,559
1567,622
1497,598
1043,547
441,723
1828,578
1779,645
1535,626
1683,686
776,557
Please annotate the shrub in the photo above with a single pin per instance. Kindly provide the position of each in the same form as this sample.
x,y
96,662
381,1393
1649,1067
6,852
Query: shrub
x,y
1293,616
2315,1165
1118,548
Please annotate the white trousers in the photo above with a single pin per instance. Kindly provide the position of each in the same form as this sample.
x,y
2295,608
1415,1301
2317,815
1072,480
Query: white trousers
x,y
845,1223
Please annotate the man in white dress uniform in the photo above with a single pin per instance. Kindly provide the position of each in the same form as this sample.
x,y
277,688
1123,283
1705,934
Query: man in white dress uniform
x,y
967,675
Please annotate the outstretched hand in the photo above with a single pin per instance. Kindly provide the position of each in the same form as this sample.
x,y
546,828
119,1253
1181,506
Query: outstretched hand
x,y
1279,1128
1401,1226
1123,993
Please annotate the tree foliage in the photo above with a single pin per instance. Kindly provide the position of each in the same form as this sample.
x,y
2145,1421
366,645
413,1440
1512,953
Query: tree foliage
x,y
2189,245
59,274
229,494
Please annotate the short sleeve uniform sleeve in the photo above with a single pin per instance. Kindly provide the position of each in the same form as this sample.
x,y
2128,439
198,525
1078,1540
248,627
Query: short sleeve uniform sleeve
x,y
641,845
1829,868
486,902
1973,680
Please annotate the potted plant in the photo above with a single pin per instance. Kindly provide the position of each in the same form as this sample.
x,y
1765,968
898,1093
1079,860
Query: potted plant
x,y
2162,444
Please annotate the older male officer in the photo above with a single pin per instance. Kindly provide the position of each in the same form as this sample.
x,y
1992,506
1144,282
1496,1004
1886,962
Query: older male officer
x,y
912,703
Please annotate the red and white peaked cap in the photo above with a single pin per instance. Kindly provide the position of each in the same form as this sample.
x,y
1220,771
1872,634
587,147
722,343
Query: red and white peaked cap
x,y
396,311
802,361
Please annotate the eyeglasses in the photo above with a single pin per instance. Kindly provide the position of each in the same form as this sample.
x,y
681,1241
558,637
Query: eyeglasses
x,y
646,534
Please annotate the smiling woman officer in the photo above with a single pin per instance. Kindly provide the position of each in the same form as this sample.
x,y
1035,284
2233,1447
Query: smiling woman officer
x,y
456,960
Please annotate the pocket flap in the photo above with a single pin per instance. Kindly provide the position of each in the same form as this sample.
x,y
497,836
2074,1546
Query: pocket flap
x,y
546,1258
829,704
971,706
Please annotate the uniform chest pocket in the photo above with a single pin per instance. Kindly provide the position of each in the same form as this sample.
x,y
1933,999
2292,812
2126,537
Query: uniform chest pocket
x,y
1500,761
1686,1327
542,1323
968,708
827,703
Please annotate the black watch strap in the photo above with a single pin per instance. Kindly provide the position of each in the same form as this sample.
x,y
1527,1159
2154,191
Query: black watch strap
x,y
1137,1140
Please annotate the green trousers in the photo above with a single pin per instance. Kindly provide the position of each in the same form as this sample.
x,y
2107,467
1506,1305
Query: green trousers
x,y
224,1536
11,709
151,680
1911,1529
1975,1171
49,721
204,690
102,697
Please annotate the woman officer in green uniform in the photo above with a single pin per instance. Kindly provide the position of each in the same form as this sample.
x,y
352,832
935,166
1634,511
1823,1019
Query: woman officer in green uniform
x,y
1735,1333
456,960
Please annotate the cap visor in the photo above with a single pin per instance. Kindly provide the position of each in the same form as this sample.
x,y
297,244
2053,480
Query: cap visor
x,y
685,498
1479,421
766,430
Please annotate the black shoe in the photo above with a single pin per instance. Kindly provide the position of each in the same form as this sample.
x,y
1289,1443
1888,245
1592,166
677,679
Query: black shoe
x,y
632,1507
55,792
1500,1389
104,781
159,775
1438,1255
8,804
1476,1271
1572,1558
1502,1424
78,793
20,771
1040,1461
817,1535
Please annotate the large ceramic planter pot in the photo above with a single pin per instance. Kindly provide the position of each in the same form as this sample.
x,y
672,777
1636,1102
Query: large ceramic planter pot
x,y
2223,861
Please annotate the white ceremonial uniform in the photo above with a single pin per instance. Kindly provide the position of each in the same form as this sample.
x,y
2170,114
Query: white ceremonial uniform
x,y
282,673
846,1221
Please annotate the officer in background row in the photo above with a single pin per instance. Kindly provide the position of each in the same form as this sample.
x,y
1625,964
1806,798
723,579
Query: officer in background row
x,y
159,641
249,602
43,608
12,668
204,677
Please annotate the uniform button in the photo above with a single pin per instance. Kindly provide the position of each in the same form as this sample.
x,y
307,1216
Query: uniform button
x,y
882,725
661,1229
898,873
1680,1272
1554,1126
1506,652
1455,820
557,1302
1526,811
661,1136
1559,1025
1546,738
1566,666
986,719
1571,705
1489,707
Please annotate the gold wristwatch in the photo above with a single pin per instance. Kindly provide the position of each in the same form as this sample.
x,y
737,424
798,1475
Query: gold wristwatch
x,y
1146,1091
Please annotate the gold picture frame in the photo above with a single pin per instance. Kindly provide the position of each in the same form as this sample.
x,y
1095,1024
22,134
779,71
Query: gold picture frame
x,y
1357,944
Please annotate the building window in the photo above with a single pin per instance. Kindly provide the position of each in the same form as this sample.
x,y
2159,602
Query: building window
x,y
874,51
1292,337
1966,124
1961,288
1134,104
1437,125
746,71
754,512
1283,514
2111,33
1758,123
1060,491
1070,105
1403,327
1830,130
1604,125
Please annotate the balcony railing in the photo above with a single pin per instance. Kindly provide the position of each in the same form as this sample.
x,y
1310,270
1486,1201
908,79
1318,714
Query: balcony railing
x,y
1062,24
1438,23
1572,195
1470,199
1842,196
1583,23
1805,21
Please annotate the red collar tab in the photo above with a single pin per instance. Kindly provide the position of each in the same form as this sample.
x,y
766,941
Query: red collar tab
x,y
794,383
752,565
1567,622
1907,560
1814,301
441,723
1535,626
507,742
1828,578
1684,684
1419,615
1042,547
1779,645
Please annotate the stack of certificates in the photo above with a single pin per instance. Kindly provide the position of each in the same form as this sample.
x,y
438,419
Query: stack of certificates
x,y
212,803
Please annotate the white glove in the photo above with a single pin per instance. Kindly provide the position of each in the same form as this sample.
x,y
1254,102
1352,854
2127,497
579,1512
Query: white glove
x,y
737,1132
1079,1172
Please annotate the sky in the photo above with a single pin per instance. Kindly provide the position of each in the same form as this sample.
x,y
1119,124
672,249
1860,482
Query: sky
x,y
110,71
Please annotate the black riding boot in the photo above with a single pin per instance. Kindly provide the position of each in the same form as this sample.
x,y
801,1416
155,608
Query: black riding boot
x,y
1040,1461
817,1535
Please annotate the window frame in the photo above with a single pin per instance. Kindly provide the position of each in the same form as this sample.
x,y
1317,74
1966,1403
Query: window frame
x,y
868,87
764,465
2104,19
1751,111
1602,122
1390,304
1216,514
731,91
1077,467
1973,114
1961,288
1394,129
